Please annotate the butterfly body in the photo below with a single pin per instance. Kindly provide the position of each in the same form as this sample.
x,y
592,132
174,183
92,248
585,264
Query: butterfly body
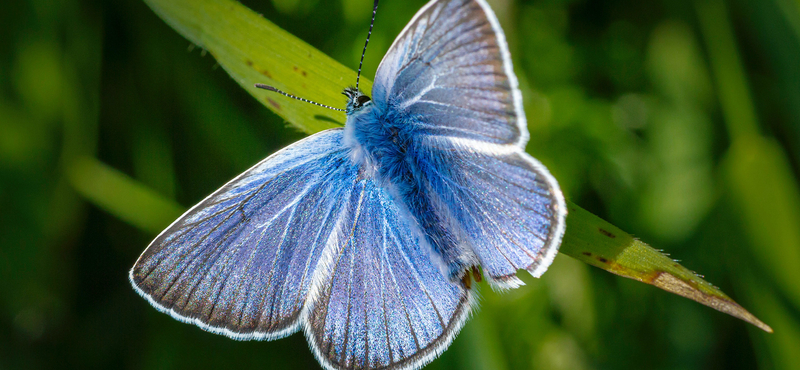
x,y
360,236
384,144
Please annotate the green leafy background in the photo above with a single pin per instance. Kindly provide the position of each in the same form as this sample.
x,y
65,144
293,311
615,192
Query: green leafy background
x,y
678,121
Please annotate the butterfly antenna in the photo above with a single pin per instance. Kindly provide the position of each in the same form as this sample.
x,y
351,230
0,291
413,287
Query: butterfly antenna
x,y
272,88
374,10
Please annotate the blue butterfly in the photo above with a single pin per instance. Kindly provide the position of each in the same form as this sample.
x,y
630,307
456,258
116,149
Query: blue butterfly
x,y
364,237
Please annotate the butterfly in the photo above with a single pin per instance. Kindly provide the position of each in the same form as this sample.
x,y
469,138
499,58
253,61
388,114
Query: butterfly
x,y
363,237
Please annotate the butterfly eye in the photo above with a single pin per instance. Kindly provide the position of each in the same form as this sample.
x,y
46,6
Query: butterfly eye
x,y
363,99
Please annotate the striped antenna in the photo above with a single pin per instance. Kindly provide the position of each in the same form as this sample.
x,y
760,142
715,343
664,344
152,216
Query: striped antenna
x,y
374,10
272,88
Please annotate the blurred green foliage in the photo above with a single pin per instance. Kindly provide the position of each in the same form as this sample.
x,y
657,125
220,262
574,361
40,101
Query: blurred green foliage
x,y
676,120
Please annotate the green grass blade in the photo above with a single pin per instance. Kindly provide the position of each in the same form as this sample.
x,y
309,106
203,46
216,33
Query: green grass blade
x,y
592,240
121,196
253,50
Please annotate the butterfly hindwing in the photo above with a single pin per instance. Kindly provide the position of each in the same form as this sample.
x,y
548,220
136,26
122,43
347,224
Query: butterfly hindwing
x,y
449,71
241,262
384,304
505,205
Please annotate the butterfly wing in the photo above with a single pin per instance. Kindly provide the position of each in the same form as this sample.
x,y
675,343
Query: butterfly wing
x,y
384,304
241,262
504,205
448,78
450,71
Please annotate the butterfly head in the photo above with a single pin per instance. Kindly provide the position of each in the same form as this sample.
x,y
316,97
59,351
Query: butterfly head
x,y
356,100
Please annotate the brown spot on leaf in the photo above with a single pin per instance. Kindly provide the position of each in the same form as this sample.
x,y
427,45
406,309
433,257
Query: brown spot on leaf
x,y
301,71
274,104
248,62
266,73
607,233
602,259
589,254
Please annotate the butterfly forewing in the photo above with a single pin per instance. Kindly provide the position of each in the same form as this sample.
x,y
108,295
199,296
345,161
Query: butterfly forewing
x,y
449,73
384,303
241,262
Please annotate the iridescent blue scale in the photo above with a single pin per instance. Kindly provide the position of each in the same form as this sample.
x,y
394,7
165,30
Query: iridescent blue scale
x,y
361,236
